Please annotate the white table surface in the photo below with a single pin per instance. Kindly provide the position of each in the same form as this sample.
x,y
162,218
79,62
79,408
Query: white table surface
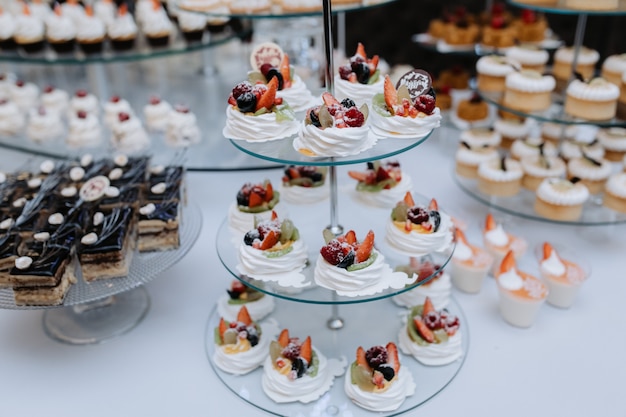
x,y
570,363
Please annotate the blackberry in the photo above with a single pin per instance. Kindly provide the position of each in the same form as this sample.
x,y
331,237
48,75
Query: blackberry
x,y
242,199
247,101
347,260
347,103
253,339
251,236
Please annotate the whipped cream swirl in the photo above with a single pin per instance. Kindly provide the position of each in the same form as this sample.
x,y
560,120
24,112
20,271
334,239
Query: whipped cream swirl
x,y
418,244
433,354
261,128
286,269
333,141
404,127
403,386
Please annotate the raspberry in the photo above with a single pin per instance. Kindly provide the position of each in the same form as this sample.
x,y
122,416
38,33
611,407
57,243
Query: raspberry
x,y
241,88
265,68
433,321
476,98
417,215
354,118
81,114
425,104
291,351
376,356
345,71
333,252
122,116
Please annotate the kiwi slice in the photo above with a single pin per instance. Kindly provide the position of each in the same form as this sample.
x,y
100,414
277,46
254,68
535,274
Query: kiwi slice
x,y
275,350
364,264
328,235
365,110
230,336
278,253
398,213
314,365
403,93
256,77
286,230
379,105
361,377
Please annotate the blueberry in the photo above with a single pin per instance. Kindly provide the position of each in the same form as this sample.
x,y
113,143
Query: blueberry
x,y
299,365
242,199
246,102
347,260
347,103
253,339
387,371
315,119
251,236
434,214
316,176
432,93
234,295
275,73
362,71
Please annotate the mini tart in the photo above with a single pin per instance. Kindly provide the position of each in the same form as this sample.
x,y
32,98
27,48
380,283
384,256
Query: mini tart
x,y
500,177
596,100
431,347
560,199
593,173
468,158
554,132
521,294
539,167
470,265
562,276
613,67
613,140
529,57
564,57
462,34
492,71
481,137
528,91
511,130
300,6
615,192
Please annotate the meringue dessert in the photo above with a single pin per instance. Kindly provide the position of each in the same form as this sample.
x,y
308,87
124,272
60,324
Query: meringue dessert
x,y
431,336
305,184
359,79
296,371
240,294
254,201
382,184
438,288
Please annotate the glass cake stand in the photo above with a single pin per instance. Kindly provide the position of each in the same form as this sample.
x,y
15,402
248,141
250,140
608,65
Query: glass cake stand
x,y
521,205
377,324
97,311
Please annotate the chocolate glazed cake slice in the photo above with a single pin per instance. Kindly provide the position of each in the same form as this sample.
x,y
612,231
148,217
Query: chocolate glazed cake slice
x,y
106,249
159,226
9,244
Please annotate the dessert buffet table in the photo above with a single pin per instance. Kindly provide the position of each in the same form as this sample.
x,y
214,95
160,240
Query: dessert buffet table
x,y
571,362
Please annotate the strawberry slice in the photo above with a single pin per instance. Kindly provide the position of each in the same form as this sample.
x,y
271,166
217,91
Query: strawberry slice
x,y
460,236
285,71
222,327
382,174
274,215
267,98
391,95
293,173
392,357
283,338
373,63
408,199
269,241
244,316
365,248
306,352
433,205
508,262
547,250
329,100
490,222
350,237
428,307
269,191
360,50
359,176
423,330
361,360
254,199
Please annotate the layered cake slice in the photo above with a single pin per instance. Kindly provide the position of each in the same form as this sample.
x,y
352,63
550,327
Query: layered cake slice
x,y
376,381
106,248
159,226
296,371
9,244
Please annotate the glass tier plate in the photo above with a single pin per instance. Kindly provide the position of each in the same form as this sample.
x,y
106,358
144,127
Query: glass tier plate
x,y
554,113
522,205
561,7
366,325
424,40
276,10
281,151
144,267
141,51
310,221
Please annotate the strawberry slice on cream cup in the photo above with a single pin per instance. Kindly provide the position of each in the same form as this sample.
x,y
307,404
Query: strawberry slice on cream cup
x,y
521,294
562,276
470,265
498,242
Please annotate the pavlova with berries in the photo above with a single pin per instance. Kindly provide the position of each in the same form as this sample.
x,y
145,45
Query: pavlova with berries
x,y
376,381
334,129
296,371
305,184
255,202
382,184
241,344
273,251
256,114
360,78
406,110
238,295
291,88
352,268
416,230
430,336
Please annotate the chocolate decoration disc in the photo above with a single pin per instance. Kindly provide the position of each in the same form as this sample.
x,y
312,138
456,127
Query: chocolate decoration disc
x,y
417,81
266,53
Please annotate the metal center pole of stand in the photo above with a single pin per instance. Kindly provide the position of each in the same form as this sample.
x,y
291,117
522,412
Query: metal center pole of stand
x,y
334,322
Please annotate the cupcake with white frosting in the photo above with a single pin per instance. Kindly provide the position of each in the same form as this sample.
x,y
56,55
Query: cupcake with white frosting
x,y
24,94
492,71
564,58
529,56
44,125
560,199
11,119
113,107
500,177
29,32
54,99
84,130
532,146
593,173
83,101
468,158
528,90
481,137
613,140
156,25
123,30
613,67
90,32
7,28
128,134
615,192
156,113
60,31
539,167
595,100
182,127
511,130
